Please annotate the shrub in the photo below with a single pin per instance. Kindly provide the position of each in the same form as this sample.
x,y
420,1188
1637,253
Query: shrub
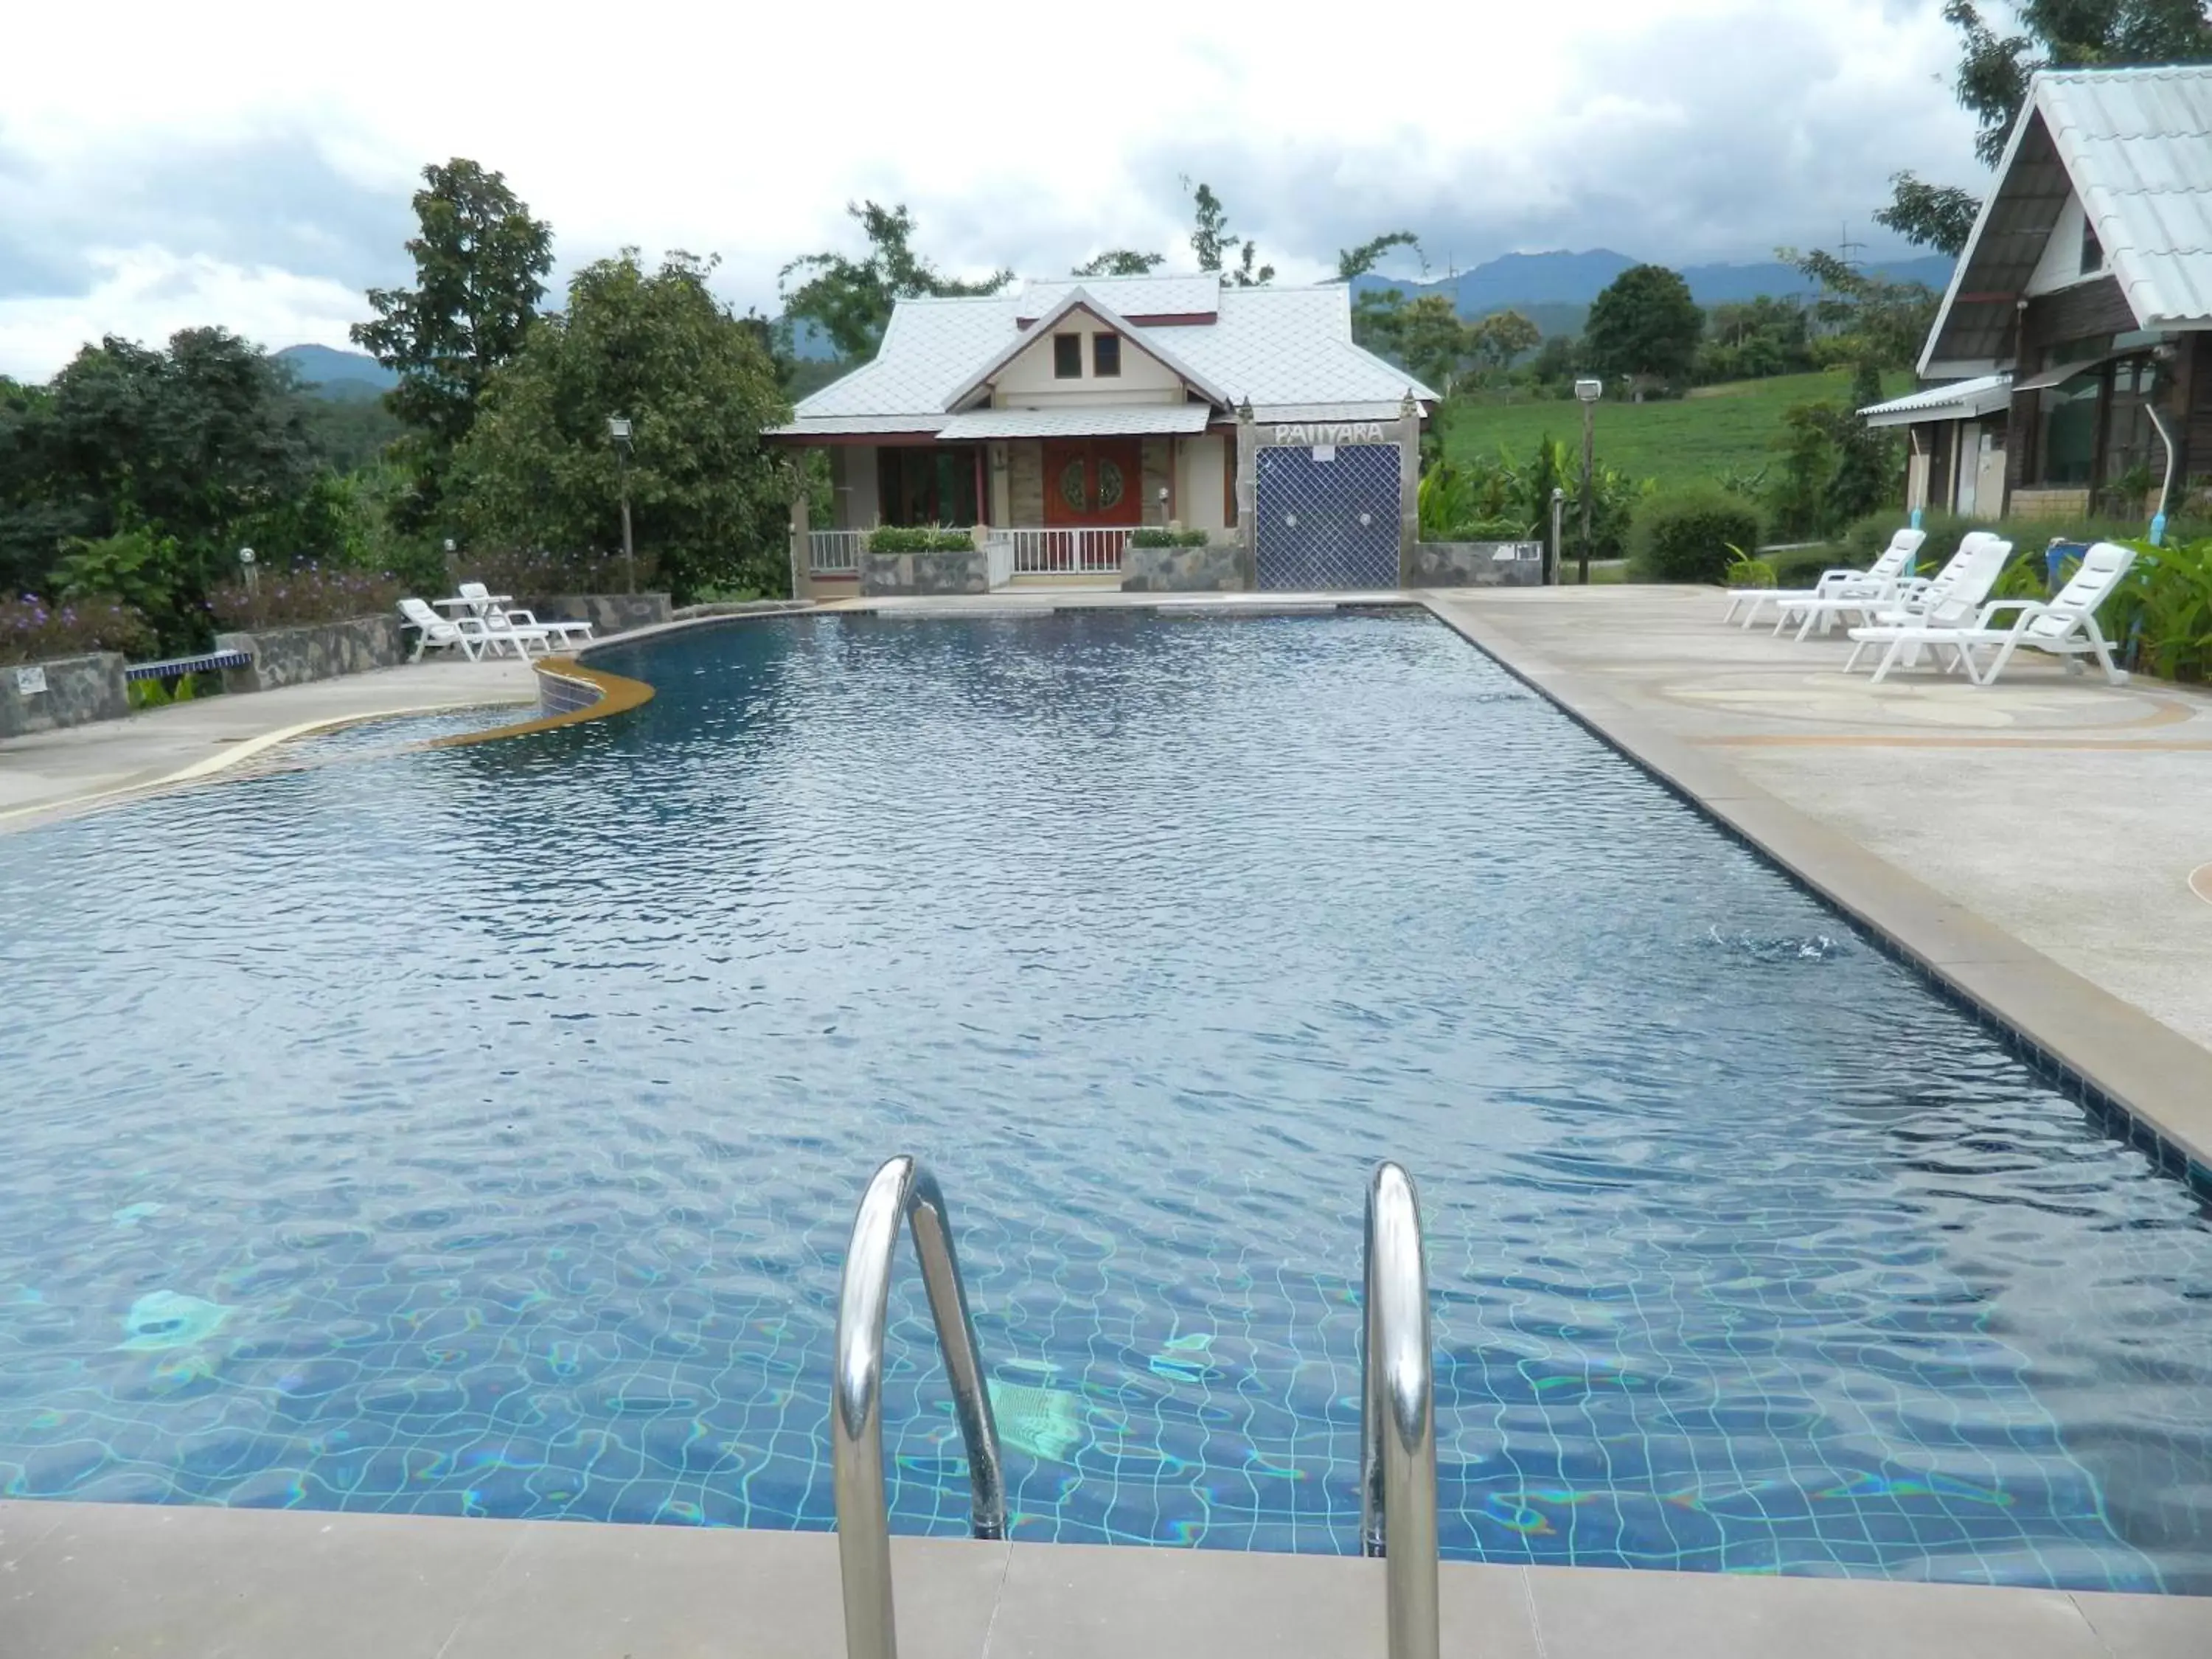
x,y
899,538
31,630
1751,572
1683,534
303,596
1154,535
527,573
2160,615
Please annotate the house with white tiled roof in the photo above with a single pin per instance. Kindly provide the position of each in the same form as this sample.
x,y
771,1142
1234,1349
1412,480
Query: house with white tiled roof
x,y
1057,418
2074,342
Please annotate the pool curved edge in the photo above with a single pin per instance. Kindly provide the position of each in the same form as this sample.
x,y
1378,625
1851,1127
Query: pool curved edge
x,y
573,692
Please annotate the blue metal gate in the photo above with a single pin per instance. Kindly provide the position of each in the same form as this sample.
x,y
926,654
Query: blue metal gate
x,y
1327,517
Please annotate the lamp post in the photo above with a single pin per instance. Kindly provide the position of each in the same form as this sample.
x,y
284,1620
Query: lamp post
x,y
1552,553
246,568
1587,393
618,430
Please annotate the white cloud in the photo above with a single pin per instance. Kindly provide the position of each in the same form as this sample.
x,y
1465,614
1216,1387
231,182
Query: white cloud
x,y
1672,129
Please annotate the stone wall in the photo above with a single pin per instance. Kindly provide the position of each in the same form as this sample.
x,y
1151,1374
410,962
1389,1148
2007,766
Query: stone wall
x,y
1222,568
1026,481
1473,564
293,656
883,574
608,613
78,690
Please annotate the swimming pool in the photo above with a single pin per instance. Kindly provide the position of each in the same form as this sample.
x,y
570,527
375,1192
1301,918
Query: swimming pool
x,y
477,1130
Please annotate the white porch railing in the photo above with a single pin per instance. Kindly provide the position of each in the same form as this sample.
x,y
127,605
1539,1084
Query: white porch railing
x,y
1067,552
835,552
998,556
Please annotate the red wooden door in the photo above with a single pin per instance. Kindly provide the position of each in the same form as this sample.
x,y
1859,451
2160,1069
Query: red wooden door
x,y
1093,482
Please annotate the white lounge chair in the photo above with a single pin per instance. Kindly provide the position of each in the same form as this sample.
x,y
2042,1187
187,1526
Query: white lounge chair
x,y
435,633
486,608
1877,580
1961,585
2065,627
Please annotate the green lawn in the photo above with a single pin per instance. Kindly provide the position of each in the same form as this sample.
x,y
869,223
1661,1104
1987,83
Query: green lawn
x,y
1714,428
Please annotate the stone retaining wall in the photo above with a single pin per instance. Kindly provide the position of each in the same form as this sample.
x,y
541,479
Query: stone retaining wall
x,y
608,613
78,690
293,656
1473,564
1222,568
903,574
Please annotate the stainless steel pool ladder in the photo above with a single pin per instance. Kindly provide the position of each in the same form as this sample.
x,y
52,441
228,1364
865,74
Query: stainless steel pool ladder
x,y
901,1191
1397,1416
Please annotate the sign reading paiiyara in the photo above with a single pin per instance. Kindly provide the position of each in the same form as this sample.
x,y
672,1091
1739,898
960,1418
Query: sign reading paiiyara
x,y
1055,420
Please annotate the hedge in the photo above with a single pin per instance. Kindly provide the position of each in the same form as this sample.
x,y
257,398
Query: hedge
x,y
1154,535
898,538
1684,534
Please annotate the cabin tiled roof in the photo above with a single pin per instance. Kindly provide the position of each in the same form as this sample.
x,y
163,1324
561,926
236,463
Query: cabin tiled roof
x,y
1287,351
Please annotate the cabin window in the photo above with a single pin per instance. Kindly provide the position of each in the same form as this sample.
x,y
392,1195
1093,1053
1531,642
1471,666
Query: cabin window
x,y
1067,356
2093,251
2070,429
1106,356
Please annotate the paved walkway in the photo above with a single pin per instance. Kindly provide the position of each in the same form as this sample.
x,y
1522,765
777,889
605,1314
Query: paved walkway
x,y
133,1579
53,772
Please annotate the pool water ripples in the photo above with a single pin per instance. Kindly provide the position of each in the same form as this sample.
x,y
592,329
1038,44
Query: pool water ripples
x,y
476,1131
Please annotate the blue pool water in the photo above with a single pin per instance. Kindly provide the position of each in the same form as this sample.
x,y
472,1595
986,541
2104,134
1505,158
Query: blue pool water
x,y
476,1130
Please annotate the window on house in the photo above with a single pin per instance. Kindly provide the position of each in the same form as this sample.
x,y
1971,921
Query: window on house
x,y
2070,429
2093,251
1067,356
1106,355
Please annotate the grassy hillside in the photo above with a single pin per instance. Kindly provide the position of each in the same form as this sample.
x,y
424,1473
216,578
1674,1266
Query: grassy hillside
x,y
1694,437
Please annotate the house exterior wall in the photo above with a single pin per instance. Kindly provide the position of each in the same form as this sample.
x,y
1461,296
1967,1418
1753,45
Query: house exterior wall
x,y
1202,482
1000,470
1028,382
2061,263
853,486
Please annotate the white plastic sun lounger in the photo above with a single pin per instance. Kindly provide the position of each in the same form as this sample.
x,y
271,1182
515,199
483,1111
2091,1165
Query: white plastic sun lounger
x,y
1878,579
434,633
2065,627
1954,591
560,633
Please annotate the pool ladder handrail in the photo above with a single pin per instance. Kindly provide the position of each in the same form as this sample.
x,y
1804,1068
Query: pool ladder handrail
x,y
901,1190
1398,1415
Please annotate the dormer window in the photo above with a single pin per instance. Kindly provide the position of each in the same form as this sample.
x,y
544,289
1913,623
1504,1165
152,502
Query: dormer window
x,y
1106,356
1067,356
2093,251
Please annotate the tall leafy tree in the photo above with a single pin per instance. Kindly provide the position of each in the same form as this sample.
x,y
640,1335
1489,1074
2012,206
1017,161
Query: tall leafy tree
x,y
1120,262
1873,321
1993,75
1210,239
850,299
480,263
708,500
1354,262
1644,323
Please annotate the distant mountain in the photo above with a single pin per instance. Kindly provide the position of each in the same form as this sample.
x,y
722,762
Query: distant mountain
x,y
1539,284
337,374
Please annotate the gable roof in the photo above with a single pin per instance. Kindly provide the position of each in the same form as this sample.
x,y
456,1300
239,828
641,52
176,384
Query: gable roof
x,y
1078,298
2136,145
1284,349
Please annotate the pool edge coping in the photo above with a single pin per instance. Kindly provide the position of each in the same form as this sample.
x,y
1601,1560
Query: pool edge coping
x,y
2146,1082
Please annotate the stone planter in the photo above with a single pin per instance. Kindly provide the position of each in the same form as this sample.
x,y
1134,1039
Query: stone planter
x,y
1217,568
323,651
608,613
1473,564
42,696
966,571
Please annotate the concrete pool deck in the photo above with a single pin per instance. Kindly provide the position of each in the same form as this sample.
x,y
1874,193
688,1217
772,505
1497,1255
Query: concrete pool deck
x,y
49,774
127,1578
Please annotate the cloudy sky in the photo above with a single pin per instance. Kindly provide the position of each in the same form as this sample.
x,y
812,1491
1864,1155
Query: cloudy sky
x,y
250,164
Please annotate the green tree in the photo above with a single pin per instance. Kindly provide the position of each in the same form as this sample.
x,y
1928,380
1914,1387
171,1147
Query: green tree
x,y
480,262
1433,342
1355,262
1993,75
1501,337
1748,340
1210,240
1120,262
193,446
707,498
1869,320
1644,323
850,299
